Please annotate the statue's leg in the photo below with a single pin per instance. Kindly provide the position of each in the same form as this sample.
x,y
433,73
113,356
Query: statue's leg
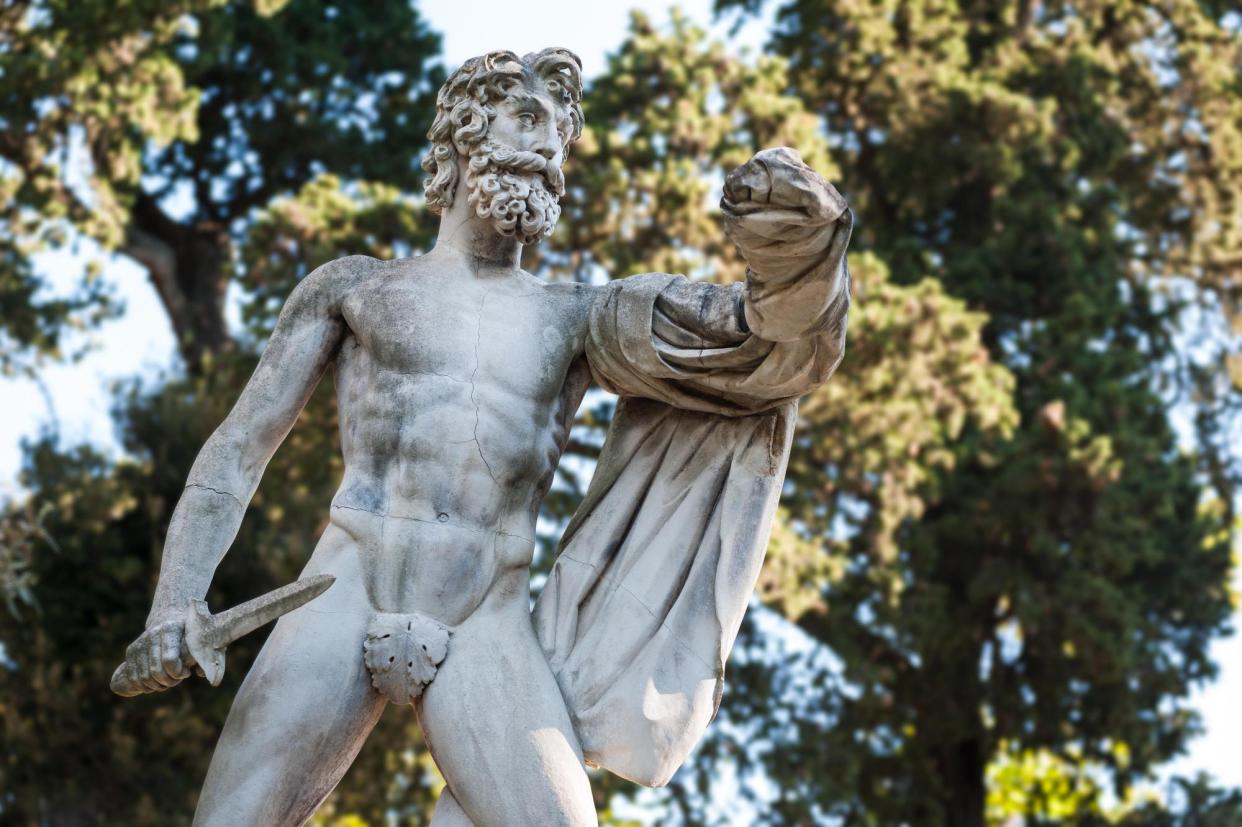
x,y
499,731
304,710
449,813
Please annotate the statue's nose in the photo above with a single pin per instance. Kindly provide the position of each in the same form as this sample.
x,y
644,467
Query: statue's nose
x,y
546,142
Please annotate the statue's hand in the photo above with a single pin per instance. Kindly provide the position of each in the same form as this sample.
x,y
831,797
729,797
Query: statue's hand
x,y
777,179
156,661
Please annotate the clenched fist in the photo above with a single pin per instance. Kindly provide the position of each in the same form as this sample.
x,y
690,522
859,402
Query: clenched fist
x,y
777,179
792,227
156,661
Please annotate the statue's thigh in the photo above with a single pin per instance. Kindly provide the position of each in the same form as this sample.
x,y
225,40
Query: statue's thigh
x,y
301,715
499,731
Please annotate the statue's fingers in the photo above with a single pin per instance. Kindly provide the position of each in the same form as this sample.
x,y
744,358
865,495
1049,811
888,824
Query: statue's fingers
x,y
749,182
170,654
801,187
133,650
140,674
136,662
155,664
151,660
137,669
123,682
779,177
128,689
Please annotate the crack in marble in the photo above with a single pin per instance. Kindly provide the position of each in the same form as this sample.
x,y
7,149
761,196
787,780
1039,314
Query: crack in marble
x,y
230,494
478,343
448,376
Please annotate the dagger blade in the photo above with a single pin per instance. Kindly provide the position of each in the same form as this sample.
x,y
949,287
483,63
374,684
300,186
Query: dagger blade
x,y
219,630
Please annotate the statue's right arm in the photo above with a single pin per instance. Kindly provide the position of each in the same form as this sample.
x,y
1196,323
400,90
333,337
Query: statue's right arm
x,y
228,468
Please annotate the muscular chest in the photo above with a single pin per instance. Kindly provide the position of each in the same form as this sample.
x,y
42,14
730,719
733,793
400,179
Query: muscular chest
x,y
512,337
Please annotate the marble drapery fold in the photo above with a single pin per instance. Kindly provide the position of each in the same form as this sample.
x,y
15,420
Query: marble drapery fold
x,y
657,566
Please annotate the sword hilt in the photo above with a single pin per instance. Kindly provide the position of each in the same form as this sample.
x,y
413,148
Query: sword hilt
x,y
208,657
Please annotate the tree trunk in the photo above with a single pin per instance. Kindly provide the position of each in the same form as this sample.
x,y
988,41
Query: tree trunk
x,y
962,768
186,263
952,734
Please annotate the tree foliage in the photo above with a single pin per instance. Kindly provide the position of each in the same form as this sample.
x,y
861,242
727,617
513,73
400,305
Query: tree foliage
x,y
1055,167
157,128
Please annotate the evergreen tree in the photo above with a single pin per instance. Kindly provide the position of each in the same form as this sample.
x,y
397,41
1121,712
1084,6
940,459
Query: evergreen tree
x,y
1057,167
156,128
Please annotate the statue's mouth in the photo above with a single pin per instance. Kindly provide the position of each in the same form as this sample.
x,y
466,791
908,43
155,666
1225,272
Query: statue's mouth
x,y
502,158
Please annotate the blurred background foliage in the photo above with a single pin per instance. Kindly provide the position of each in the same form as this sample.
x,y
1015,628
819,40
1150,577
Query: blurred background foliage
x,y
998,566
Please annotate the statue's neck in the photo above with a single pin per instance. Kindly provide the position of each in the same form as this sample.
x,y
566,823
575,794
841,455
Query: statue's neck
x,y
464,234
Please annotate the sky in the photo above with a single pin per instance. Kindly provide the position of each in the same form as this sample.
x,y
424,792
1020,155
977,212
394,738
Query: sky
x,y
78,397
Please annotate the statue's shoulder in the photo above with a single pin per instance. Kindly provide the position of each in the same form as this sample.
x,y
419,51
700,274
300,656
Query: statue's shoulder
x,y
348,272
331,283
568,294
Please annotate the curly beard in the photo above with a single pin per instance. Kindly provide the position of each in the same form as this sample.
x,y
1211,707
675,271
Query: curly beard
x,y
519,191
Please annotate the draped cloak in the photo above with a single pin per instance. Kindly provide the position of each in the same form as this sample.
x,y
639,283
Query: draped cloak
x,y
657,566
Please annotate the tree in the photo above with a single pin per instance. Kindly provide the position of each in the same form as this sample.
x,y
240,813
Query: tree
x,y
1055,167
157,128
1196,803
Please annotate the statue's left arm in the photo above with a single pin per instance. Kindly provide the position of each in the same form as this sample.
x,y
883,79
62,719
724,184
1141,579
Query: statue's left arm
x,y
658,565
742,348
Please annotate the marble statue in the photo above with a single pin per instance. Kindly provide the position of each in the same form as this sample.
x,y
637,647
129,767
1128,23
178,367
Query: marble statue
x,y
458,376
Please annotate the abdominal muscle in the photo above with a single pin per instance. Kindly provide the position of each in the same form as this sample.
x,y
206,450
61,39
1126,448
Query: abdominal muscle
x,y
442,520
443,571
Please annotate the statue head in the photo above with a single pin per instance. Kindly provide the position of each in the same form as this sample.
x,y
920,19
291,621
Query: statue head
x,y
509,120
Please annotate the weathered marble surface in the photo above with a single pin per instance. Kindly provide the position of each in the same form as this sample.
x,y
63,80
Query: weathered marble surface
x,y
458,376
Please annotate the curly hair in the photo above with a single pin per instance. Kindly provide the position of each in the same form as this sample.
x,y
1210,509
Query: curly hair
x,y
466,103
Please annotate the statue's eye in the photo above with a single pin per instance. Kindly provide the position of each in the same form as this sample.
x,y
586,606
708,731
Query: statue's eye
x,y
526,119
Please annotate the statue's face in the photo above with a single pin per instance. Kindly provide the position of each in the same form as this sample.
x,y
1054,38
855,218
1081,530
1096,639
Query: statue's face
x,y
531,121
513,176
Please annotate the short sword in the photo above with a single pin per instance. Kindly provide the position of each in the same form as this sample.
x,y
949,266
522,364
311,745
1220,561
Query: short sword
x,y
207,635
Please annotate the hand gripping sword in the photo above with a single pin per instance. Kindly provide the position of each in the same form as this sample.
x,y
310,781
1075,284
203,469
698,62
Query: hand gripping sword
x,y
207,635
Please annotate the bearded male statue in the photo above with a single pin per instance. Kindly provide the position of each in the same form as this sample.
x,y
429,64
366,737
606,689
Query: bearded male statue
x,y
458,376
